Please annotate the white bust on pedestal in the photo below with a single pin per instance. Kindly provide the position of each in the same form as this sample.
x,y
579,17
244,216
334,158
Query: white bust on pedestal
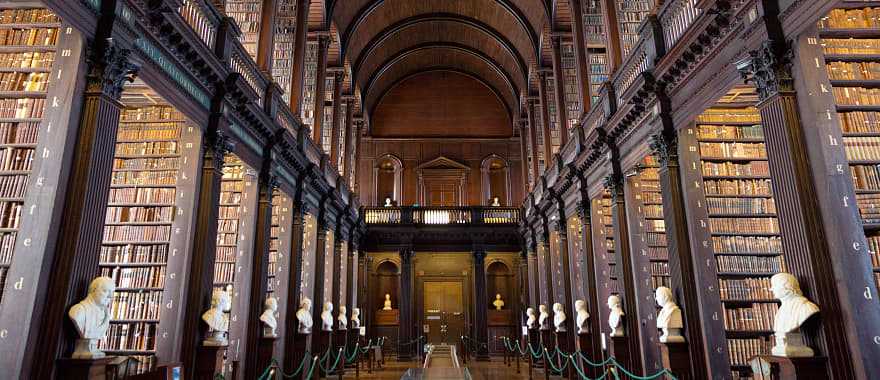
x,y
268,318
793,312
559,317
356,318
669,318
580,307
342,318
327,317
217,320
615,316
91,317
543,317
530,318
304,316
387,305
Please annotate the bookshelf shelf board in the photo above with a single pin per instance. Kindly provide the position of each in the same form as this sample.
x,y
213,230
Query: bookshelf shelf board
x,y
861,134
229,205
164,223
852,57
227,245
853,107
764,254
134,204
863,162
867,191
225,262
739,195
656,245
740,215
748,301
11,199
29,25
20,120
26,48
730,123
164,121
745,274
745,233
124,186
747,333
738,159
140,289
22,94
124,265
850,33
867,83
146,170
223,283
652,203
135,242
18,145
129,156
733,140
132,352
134,321
14,172
147,140
7,229
24,69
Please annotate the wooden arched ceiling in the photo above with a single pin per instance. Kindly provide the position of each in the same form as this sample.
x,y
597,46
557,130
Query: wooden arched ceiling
x,y
451,57
439,31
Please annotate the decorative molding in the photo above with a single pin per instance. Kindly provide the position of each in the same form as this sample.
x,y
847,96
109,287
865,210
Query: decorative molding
x,y
110,69
769,68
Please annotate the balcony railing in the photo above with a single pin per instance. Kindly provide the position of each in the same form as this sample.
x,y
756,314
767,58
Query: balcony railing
x,y
441,215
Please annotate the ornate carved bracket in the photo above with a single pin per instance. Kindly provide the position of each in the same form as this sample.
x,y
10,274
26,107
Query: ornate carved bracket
x,y
109,69
665,147
769,68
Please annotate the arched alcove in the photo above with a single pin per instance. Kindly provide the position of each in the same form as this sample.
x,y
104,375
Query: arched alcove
x,y
496,180
388,179
387,275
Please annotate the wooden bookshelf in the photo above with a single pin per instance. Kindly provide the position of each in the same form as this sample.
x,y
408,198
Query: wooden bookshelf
x,y
630,14
282,54
152,172
28,39
606,238
247,15
310,71
569,71
851,45
555,135
280,211
649,209
229,220
326,142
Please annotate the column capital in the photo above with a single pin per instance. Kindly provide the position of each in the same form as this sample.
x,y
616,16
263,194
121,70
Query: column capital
x,y
769,68
110,66
665,147
614,183
583,209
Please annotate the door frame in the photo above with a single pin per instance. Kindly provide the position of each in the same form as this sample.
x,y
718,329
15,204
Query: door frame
x,y
466,299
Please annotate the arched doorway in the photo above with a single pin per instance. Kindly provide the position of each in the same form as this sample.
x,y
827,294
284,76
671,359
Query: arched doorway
x,y
496,180
387,282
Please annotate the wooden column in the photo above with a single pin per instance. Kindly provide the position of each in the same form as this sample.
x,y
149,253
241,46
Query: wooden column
x,y
358,130
319,345
612,33
559,90
266,42
350,273
534,290
291,362
406,328
320,83
337,271
75,261
259,268
807,252
686,279
523,153
567,300
347,159
581,55
588,275
545,118
533,141
548,267
335,132
299,55
625,275
481,302
525,298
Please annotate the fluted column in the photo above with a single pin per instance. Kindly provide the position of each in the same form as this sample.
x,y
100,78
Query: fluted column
x,y
348,139
406,324
289,361
523,153
481,301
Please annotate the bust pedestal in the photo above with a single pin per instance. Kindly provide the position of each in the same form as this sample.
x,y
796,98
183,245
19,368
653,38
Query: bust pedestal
x,y
619,350
584,342
562,341
675,357
86,369
265,351
766,367
301,344
534,343
321,342
209,361
340,339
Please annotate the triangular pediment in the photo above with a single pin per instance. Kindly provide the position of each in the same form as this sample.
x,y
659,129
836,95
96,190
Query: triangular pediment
x,y
442,163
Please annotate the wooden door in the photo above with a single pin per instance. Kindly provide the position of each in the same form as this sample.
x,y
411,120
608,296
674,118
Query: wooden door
x,y
444,311
443,193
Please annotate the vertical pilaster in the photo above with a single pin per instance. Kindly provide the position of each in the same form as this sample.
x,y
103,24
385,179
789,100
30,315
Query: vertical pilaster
x,y
545,118
567,300
580,53
405,335
75,260
351,276
533,141
548,267
534,279
588,276
347,159
299,55
291,324
559,89
266,42
319,345
481,302
338,256
522,127
612,41
354,180
320,83
338,76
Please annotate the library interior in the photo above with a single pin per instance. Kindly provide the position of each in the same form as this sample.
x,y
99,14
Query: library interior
x,y
439,189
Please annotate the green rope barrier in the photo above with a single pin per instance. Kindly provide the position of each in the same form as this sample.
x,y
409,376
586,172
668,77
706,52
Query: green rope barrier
x,y
651,377
552,366
581,373
335,363
312,367
592,364
354,353
302,364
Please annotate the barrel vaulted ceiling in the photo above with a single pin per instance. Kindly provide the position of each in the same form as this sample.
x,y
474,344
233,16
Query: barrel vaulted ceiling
x,y
383,42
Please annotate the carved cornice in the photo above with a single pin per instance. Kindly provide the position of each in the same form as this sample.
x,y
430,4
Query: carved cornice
x,y
664,147
110,67
769,68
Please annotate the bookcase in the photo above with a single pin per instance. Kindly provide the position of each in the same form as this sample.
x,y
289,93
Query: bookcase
x,y
28,39
282,54
344,134
649,208
310,72
310,239
606,239
147,218
740,213
576,254
228,222
279,239
850,40
630,14
539,135
327,126
598,71
569,72
329,262
594,24
247,14
555,135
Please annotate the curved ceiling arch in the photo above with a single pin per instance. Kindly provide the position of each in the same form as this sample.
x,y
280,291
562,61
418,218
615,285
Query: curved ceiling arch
x,y
413,24
363,19
440,33
450,56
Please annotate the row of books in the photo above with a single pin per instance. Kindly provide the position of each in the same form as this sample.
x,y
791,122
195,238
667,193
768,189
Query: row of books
x,y
758,317
738,187
655,239
859,122
865,177
13,186
19,81
166,177
142,195
227,226
117,214
22,108
652,211
137,336
19,133
862,148
659,253
27,16
10,214
745,289
227,239
850,46
146,148
141,305
851,19
744,225
27,60
28,36
750,264
229,212
748,169
127,254
853,70
856,96
655,225
733,150
730,115
145,131
137,277
874,250
741,205
741,350
224,272
170,163
225,254
733,132
14,158
230,196
137,233
659,268
159,113
869,206
747,244
7,244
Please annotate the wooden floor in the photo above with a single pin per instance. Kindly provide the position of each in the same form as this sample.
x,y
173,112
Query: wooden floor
x,y
491,370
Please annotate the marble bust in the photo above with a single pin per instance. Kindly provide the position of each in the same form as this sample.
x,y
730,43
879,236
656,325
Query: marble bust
x,y
496,202
342,318
615,316
499,303
580,307
356,318
304,316
91,317
217,319
543,317
268,318
559,317
530,318
669,319
387,305
793,312
327,317
388,202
